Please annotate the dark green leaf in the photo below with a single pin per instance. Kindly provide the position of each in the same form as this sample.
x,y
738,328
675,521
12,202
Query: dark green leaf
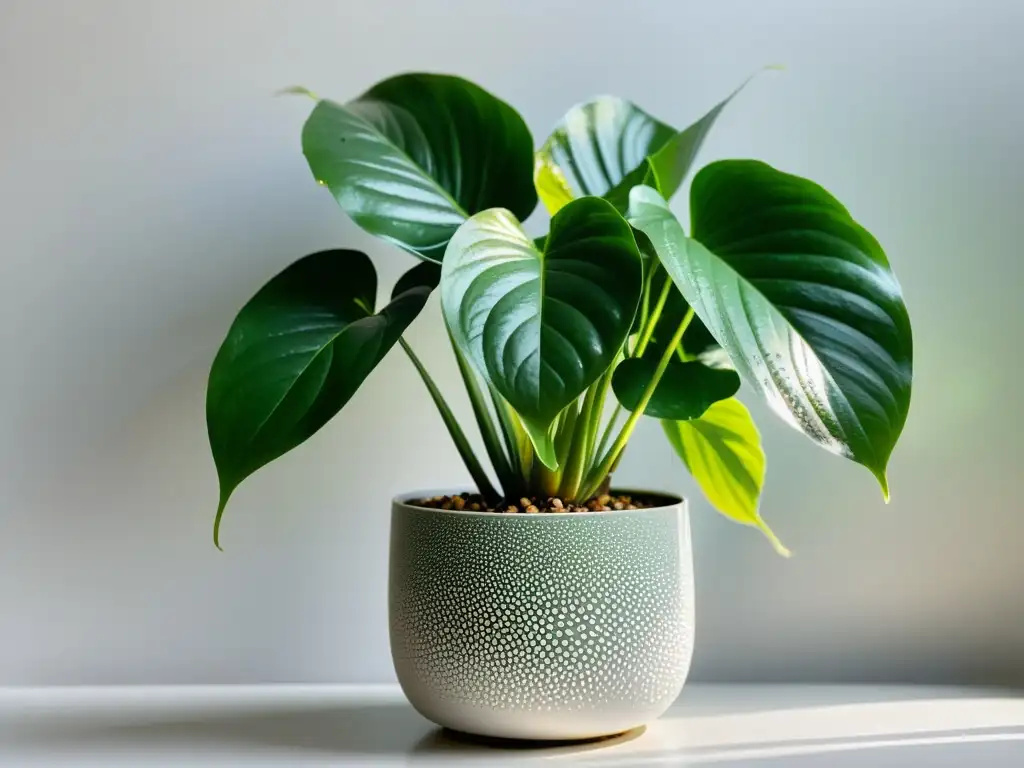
x,y
294,356
800,296
425,274
684,391
609,145
722,450
414,156
542,325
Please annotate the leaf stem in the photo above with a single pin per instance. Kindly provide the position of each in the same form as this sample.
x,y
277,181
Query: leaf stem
x,y
465,450
645,301
484,420
608,429
565,434
610,459
648,330
514,436
575,462
598,411
543,481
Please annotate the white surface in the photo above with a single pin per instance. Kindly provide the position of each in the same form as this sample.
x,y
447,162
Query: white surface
x,y
764,726
149,183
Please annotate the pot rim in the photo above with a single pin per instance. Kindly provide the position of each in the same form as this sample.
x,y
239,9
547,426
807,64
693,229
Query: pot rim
x,y
402,501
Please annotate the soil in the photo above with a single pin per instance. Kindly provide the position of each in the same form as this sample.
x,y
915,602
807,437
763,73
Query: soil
x,y
474,502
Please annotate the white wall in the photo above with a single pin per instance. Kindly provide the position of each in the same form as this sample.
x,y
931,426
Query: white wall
x,y
149,183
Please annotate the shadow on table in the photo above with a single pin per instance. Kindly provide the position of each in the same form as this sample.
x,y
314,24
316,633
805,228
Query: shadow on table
x,y
369,729
444,741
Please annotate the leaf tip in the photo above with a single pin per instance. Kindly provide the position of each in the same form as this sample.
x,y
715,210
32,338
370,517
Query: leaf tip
x,y
297,90
777,545
225,494
775,67
883,481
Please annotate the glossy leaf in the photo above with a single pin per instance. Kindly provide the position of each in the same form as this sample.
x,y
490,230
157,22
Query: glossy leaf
x,y
722,450
542,325
685,390
594,147
697,339
415,155
609,145
295,354
800,296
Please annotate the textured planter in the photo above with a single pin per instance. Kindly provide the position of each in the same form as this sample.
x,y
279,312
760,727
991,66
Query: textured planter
x,y
542,626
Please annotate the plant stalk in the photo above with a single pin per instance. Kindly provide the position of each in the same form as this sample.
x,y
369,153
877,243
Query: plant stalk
x,y
646,333
648,329
543,481
514,436
598,412
611,458
608,430
465,450
575,461
566,434
645,301
484,420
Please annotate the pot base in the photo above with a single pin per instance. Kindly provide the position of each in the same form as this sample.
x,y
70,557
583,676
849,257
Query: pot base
x,y
500,742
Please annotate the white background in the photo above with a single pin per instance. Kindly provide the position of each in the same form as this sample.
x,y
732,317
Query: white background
x,y
150,182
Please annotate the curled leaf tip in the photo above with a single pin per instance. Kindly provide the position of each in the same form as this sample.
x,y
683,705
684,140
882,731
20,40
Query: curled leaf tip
x,y
777,545
216,521
297,90
543,445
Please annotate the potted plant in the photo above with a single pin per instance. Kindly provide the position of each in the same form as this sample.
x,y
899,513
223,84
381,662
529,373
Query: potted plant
x,y
550,605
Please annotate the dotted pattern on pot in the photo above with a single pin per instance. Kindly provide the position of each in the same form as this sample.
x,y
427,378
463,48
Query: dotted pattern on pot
x,y
563,614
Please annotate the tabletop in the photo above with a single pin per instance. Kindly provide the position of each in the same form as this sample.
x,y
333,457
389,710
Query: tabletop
x,y
767,726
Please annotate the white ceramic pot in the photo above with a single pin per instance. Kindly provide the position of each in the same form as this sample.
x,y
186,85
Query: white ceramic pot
x,y
541,626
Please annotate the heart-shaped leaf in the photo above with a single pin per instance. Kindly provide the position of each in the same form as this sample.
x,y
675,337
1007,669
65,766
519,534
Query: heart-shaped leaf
x,y
295,354
722,450
685,390
415,155
609,145
800,296
542,324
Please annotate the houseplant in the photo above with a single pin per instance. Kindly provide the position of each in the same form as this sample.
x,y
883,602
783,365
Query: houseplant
x,y
564,342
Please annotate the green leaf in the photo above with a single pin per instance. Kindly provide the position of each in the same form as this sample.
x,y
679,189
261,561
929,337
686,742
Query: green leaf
x,y
425,274
722,450
800,296
685,390
415,155
607,146
594,147
697,339
671,163
294,356
542,324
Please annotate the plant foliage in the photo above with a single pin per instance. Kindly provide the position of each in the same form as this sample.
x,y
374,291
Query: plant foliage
x,y
565,342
